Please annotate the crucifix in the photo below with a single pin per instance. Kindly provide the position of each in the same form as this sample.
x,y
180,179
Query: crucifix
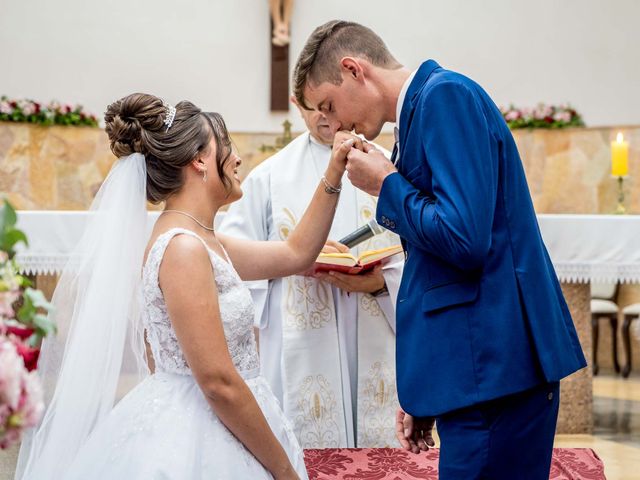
x,y
280,20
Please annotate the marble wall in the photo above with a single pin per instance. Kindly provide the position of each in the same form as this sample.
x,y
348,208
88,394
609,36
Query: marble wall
x,y
52,168
60,168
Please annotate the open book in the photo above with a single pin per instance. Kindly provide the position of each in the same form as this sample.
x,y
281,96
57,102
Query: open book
x,y
347,263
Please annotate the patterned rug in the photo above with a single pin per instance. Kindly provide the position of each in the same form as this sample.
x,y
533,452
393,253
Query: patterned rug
x,y
397,464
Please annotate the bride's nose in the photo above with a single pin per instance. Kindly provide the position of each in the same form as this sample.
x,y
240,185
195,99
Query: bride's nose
x,y
238,161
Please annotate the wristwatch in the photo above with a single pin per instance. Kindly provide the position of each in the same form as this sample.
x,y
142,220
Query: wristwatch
x,y
381,291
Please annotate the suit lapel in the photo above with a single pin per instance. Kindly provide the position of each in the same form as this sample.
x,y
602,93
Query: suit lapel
x,y
408,106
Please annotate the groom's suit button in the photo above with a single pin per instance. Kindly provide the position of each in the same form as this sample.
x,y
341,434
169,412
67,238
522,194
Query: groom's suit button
x,y
550,396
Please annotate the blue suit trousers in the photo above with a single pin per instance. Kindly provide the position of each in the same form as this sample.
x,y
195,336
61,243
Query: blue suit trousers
x,y
510,438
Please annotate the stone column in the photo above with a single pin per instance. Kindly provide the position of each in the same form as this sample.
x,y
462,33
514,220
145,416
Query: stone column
x,y
576,391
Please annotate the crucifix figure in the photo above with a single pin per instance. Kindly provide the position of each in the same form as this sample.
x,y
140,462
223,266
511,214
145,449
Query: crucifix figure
x,y
280,20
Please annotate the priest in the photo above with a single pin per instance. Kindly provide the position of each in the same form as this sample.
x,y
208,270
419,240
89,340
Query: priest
x,y
326,341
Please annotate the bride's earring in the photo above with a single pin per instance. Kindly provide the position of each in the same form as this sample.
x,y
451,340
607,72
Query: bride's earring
x,y
204,177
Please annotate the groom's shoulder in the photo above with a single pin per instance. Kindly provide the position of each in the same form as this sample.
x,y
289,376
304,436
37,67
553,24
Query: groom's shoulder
x,y
444,83
451,79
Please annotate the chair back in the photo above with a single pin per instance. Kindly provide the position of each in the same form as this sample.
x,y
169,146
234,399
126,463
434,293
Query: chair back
x,y
604,291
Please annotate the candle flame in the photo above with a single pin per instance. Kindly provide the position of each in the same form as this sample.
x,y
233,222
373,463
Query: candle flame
x,y
619,138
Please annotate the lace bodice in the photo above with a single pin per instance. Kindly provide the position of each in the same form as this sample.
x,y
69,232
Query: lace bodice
x,y
236,311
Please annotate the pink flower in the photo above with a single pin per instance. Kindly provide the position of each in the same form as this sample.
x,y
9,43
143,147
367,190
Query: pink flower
x,y
31,401
542,111
29,355
4,256
21,397
562,116
512,115
5,107
11,372
19,330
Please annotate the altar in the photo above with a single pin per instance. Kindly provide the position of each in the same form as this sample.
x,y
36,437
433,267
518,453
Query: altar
x,y
583,248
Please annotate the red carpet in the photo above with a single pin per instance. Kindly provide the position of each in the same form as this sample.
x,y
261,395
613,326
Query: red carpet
x,y
396,464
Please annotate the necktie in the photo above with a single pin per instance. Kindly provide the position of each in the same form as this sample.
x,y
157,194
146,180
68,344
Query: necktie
x,y
394,153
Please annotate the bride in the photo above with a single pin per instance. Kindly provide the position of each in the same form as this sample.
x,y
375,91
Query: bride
x,y
205,412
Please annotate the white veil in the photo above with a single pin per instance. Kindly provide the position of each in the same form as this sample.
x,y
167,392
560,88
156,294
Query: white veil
x,y
97,304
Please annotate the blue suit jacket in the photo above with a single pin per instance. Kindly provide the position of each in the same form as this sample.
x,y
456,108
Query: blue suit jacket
x,y
480,313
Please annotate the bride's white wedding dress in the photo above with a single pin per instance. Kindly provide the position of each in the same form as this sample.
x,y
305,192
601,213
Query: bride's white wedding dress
x,y
164,428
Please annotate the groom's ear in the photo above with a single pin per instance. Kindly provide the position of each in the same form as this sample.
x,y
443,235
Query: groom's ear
x,y
352,68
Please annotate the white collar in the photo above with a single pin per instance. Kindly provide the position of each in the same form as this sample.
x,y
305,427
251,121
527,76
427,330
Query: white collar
x,y
403,93
315,141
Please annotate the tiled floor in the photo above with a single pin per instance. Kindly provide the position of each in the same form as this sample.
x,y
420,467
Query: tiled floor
x,y
616,437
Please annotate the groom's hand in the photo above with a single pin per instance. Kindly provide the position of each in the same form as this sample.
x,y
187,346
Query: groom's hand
x,y
367,169
343,142
414,434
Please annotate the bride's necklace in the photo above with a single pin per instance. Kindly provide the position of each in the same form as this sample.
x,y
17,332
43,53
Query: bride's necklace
x,y
191,217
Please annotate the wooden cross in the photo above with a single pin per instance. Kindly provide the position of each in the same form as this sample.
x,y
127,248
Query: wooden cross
x,y
279,76
279,40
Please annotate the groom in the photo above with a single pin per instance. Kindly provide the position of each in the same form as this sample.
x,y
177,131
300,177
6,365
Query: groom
x,y
483,332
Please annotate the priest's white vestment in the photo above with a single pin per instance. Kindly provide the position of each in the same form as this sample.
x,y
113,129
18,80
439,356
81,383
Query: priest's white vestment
x,y
328,356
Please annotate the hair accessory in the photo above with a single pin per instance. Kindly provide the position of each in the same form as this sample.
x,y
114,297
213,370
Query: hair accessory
x,y
169,116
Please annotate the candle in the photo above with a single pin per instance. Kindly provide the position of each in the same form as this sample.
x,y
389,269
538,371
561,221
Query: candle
x,y
619,157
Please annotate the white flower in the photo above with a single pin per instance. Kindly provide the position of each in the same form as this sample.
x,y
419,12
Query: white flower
x,y
27,107
5,107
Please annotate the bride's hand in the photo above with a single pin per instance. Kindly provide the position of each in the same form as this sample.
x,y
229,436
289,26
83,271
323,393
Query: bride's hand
x,y
343,142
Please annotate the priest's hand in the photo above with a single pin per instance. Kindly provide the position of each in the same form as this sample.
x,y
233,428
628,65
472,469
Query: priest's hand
x,y
368,168
364,283
414,434
331,246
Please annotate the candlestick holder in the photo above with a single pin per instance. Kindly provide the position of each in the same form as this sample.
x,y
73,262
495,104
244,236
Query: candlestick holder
x,y
620,210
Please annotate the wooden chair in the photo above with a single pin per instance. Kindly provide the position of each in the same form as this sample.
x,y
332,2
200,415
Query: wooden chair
x,y
630,313
603,306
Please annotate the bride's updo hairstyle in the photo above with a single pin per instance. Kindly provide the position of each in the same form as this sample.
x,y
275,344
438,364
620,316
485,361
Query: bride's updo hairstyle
x,y
137,123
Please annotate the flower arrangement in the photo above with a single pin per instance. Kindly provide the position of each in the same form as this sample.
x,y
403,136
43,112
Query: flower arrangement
x,y
53,113
23,324
542,116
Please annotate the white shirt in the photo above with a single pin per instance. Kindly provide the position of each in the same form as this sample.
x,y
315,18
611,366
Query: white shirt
x,y
403,94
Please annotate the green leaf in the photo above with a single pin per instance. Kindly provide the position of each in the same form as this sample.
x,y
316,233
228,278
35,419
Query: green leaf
x,y
33,340
37,299
11,238
8,217
43,324
26,313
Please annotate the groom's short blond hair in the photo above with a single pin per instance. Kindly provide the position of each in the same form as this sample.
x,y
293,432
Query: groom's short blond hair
x,y
319,60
